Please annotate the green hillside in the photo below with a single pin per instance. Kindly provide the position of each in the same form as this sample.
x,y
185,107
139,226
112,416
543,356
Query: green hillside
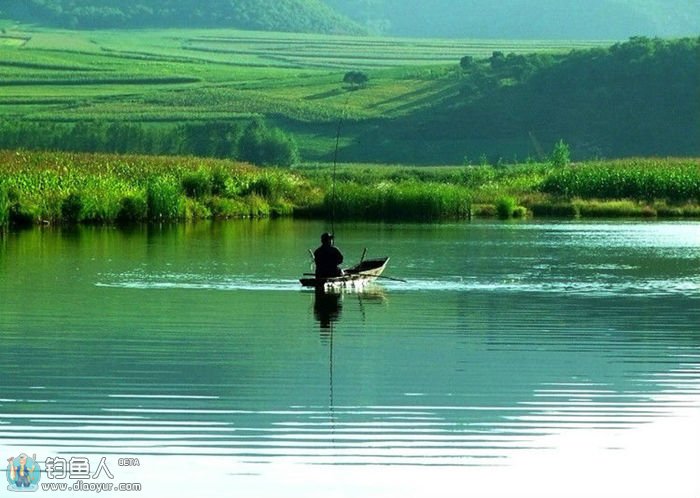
x,y
526,19
196,92
638,98
310,16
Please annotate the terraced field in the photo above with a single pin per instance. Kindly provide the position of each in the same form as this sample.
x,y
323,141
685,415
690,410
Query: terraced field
x,y
208,74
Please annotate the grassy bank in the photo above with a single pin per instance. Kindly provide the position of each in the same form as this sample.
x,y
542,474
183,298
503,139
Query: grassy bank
x,y
43,187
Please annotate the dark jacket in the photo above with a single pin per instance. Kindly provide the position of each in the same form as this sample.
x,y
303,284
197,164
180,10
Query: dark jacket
x,y
327,258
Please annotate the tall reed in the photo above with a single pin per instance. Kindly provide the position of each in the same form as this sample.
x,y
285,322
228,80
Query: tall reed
x,y
164,199
103,188
675,180
413,201
4,207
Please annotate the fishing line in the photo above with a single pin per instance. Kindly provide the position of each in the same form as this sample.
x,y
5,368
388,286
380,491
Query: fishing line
x,y
335,163
335,169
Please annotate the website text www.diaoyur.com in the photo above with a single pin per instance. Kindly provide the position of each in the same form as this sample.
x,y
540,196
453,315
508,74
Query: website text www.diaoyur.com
x,y
95,487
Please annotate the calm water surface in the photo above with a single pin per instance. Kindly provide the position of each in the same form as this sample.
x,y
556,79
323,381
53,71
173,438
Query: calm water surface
x,y
528,359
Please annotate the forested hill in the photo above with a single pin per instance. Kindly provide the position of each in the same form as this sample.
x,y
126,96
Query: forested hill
x,y
311,16
526,19
504,19
637,98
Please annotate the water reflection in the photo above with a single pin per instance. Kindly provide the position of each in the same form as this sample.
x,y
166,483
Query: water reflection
x,y
163,344
328,307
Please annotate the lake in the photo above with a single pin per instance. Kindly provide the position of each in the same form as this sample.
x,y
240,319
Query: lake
x,y
526,359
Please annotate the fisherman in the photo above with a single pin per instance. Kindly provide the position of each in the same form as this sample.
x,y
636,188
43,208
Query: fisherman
x,y
328,258
19,474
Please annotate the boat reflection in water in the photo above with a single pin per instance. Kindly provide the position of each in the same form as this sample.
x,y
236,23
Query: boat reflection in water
x,y
328,305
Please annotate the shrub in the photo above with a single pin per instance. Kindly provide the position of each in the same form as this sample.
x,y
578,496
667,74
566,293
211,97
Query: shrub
x,y
23,214
72,208
609,209
561,155
267,147
132,208
520,212
257,206
197,184
195,210
219,177
227,208
505,207
484,210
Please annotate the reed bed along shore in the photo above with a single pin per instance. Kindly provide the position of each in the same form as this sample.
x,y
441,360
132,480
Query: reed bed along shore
x,y
50,187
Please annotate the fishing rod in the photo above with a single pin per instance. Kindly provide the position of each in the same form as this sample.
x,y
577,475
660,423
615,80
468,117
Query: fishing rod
x,y
335,169
335,163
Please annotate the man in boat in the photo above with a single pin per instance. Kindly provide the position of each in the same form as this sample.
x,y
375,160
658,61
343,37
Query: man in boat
x,y
328,258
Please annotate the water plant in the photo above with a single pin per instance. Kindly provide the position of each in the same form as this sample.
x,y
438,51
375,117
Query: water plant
x,y
132,208
4,207
103,188
505,206
197,184
71,208
397,201
164,199
676,180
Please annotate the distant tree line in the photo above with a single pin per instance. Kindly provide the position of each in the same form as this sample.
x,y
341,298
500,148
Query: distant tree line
x,y
255,142
634,98
272,15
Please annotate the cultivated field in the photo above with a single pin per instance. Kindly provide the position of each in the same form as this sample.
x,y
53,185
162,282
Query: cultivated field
x,y
166,76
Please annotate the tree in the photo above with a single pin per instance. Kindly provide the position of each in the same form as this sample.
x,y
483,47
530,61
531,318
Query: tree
x,y
560,155
356,79
266,147
466,62
497,59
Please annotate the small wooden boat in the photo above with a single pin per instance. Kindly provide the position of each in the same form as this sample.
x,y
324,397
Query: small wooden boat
x,y
355,277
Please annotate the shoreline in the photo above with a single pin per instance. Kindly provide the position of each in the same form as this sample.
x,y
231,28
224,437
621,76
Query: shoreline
x,y
63,188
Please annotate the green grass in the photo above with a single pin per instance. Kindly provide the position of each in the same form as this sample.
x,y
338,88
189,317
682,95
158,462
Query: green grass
x,y
103,188
294,80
